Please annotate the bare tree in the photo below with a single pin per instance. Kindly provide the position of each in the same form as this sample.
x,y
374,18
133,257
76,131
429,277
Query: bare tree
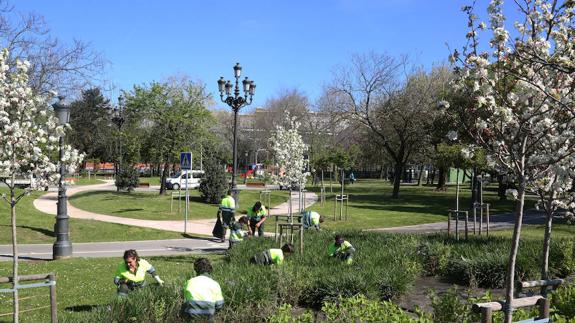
x,y
372,92
66,68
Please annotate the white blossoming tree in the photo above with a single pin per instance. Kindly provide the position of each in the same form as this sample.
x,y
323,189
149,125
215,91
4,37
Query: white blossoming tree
x,y
29,135
524,103
288,149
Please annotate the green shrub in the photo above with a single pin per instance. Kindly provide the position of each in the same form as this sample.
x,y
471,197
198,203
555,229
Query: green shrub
x,y
215,183
561,258
361,309
563,301
451,307
127,178
285,315
434,257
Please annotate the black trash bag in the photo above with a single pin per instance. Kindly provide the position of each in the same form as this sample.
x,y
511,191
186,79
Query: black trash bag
x,y
218,230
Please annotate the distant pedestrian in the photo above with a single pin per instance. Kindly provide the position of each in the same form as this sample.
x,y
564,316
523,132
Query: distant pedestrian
x,y
273,256
351,178
257,215
341,249
237,234
311,219
202,295
131,273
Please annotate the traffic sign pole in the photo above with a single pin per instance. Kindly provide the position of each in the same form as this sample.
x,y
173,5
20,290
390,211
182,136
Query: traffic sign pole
x,y
186,165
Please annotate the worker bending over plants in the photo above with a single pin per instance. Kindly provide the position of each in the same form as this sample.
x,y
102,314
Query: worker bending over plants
x,y
273,256
237,234
311,219
341,249
131,273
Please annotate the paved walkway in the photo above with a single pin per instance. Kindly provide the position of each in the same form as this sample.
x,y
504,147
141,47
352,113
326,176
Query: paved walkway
x,y
47,204
496,222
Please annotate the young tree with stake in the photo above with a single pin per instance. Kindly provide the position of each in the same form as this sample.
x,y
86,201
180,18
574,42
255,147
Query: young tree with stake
x,y
29,135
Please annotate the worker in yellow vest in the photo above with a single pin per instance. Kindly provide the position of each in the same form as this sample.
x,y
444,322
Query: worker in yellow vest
x,y
311,219
227,211
131,273
341,249
237,234
257,215
202,295
273,256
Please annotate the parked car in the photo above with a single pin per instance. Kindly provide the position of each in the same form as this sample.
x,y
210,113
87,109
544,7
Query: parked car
x,y
177,181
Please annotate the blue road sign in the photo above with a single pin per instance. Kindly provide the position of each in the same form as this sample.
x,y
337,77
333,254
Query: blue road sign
x,y
186,161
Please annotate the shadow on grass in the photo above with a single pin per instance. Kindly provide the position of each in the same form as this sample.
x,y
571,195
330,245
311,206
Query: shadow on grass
x,y
46,232
128,210
82,308
403,209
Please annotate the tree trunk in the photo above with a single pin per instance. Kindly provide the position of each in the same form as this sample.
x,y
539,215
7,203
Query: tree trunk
x,y
441,181
15,277
510,279
397,179
502,187
473,188
420,176
547,241
165,174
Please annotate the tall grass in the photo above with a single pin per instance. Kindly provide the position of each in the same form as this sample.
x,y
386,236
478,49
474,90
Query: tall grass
x,y
385,267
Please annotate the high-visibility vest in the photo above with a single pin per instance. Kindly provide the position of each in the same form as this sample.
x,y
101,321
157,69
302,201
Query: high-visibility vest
x,y
228,204
257,216
310,218
123,272
203,296
333,249
277,256
236,233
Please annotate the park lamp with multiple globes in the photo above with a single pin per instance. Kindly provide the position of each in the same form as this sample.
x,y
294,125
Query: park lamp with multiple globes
x,y
236,101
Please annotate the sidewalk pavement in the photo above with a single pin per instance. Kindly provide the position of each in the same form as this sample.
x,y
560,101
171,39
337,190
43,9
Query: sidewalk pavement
x,y
172,247
47,204
497,222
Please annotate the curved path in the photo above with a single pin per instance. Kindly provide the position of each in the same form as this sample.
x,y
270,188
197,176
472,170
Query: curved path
x,y
47,204
192,245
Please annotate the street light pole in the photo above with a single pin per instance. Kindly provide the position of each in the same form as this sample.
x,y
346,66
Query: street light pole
x,y
62,248
236,102
119,119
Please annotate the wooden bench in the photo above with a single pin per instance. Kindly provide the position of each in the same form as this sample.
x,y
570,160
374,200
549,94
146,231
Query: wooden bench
x,y
144,185
255,184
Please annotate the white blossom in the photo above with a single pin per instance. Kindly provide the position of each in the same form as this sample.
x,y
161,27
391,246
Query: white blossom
x,y
288,149
25,149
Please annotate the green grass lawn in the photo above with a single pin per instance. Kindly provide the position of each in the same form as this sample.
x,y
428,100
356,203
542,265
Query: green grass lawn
x,y
37,227
152,206
85,181
371,205
536,232
82,283
154,181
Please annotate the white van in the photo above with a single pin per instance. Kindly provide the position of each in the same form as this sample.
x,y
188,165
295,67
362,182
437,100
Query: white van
x,y
178,180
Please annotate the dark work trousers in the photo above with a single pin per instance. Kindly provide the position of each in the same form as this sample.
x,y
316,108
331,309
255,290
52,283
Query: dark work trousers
x,y
253,227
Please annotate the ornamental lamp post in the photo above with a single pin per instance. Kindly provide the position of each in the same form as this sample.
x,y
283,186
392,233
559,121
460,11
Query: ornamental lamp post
x,y
62,248
236,101
118,119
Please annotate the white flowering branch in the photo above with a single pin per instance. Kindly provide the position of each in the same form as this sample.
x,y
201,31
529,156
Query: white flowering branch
x,y
288,149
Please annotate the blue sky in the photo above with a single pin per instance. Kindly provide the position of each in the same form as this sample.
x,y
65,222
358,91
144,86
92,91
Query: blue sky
x,y
280,44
